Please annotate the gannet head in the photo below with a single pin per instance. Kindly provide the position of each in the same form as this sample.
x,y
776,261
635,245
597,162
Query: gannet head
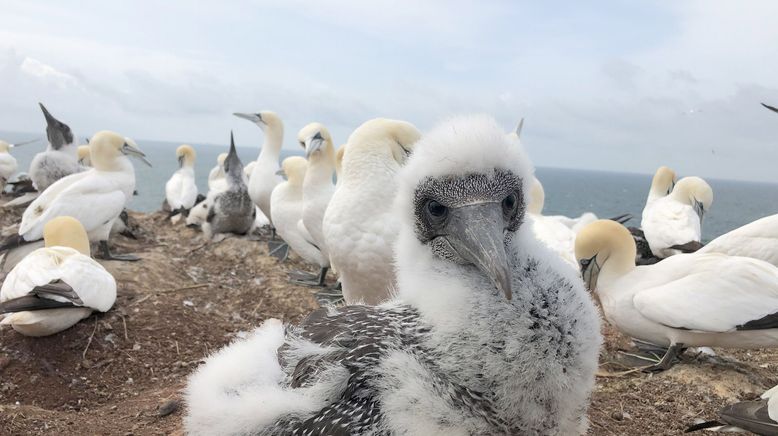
x,y
4,146
317,142
293,168
186,156
339,159
663,182
220,159
106,146
537,197
695,192
233,167
601,242
58,133
66,231
463,193
382,138
263,119
83,156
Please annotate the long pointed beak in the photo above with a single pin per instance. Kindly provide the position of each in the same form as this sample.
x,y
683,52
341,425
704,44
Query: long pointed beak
x,y
312,145
181,161
254,118
477,234
57,132
49,117
130,149
590,271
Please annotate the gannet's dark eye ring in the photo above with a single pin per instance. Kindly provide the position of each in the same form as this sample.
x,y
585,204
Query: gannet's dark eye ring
x,y
436,212
509,204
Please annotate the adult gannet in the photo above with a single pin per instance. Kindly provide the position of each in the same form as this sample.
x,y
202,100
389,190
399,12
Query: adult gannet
x,y
60,158
317,188
263,176
491,334
661,184
287,206
359,225
557,236
689,300
673,224
95,197
758,416
55,287
180,189
232,210
8,163
758,239
83,156
216,179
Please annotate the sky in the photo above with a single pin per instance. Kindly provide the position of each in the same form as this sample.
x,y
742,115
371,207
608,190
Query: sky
x,y
605,85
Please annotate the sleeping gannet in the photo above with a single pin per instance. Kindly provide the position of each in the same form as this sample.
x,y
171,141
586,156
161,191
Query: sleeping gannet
x,y
263,176
687,300
758,239
359,225
55,287
317,188
287,206
60,158
232,210
673,224
757,416
180,189
8,163
95,197
491,334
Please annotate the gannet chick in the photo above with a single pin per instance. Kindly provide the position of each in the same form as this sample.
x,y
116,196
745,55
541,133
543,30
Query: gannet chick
x,y
216,184
287,206
317,188
491,334
181,190
758,239
359,225
557,236
55,287
263,176
60,158
689,300
758,416
94,197
83,156
673,224
232,211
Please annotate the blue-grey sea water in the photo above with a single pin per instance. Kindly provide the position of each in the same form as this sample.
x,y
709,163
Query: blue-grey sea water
x,y
568,192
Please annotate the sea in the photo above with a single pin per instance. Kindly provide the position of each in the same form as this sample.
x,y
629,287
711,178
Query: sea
x,y
568,192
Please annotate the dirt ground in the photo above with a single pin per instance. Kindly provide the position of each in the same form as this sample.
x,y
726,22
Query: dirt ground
x,y
121,373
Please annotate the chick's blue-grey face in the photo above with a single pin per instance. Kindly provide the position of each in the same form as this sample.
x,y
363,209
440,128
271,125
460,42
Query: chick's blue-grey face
x,y
470,219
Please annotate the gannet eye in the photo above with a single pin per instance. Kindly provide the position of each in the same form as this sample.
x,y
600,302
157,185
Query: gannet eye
x,y
509,204
436,211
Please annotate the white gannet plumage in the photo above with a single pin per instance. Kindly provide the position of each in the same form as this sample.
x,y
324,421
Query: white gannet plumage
x,y
84,158
359,225
491,334
673,224
8,164
54,287
181,189
60,158
758,239
263,175
687,300
287,207
557,236
94,197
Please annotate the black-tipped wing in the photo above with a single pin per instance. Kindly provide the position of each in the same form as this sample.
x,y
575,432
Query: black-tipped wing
x,y
689,247
751,416
37,299
13,241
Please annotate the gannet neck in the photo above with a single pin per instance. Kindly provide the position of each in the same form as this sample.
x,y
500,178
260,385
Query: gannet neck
x,y
339,160
606,252
661,184
274,140
693,189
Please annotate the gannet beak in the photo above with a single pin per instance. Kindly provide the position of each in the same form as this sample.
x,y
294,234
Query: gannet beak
x,y
58,133
313,144
699,208
254,118
130,149
477,233
590,270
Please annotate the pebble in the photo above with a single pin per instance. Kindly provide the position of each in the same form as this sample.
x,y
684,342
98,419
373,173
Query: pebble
x,y
617,415
168,407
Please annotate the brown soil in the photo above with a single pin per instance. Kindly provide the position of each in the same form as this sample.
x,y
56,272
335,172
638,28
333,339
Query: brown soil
x,y
121,372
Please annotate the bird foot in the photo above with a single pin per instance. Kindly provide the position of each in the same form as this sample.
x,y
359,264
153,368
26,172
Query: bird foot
x,y
279,250
302,275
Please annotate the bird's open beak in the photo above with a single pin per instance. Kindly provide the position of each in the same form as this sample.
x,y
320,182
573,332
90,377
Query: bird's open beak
x,y
130,149
477,234
590,271
313,144
254,118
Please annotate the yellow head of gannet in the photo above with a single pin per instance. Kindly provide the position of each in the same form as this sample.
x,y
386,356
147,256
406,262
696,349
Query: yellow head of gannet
x,y
317,142
294,169
373,136
4,146
186,156
537,197
695,192
107,146
601,242
66,231
662,183
83,156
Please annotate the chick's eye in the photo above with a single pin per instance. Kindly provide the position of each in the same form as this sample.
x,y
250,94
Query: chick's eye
x,y
509,203
436,211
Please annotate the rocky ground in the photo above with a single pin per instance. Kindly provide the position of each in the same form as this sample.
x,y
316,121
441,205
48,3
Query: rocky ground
x,y
121,372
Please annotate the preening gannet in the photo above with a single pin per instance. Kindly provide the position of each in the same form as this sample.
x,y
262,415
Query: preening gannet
x,y
55,287
60,158
8,163
661,184
673,224
491,334
688,300
263,176
232,210
317,187
287,206
758,239
758,416
181,190
94,197
359,225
